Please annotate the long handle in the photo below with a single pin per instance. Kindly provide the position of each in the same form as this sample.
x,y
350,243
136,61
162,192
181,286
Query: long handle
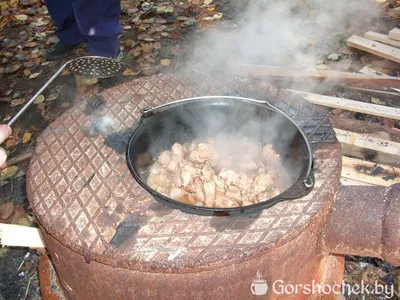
x,y
26,106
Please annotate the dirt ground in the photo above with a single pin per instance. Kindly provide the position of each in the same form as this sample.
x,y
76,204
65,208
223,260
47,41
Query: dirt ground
x,y
157,36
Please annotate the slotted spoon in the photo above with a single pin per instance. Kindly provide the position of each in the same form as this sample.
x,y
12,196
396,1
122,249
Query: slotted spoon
x,y
88,66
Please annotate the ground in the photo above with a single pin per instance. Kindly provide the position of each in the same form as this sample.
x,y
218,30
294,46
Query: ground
x,y
162,37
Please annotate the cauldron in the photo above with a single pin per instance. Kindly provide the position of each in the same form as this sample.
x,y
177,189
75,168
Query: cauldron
x,y
205,117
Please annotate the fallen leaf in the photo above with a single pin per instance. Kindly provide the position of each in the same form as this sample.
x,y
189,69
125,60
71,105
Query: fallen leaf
x,y
27,73
31,44
39,99
207,2
127,27
41,106
26,138
65,105
34,75
24,221
181,18
3,5
377,101
165,62
5,99
10,143
65,72
128,72
6,210
8,54
51,97
164,9
16,102
8,172
13,68
21,17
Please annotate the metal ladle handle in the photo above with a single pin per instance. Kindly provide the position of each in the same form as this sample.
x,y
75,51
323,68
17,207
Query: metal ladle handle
x,y
26,106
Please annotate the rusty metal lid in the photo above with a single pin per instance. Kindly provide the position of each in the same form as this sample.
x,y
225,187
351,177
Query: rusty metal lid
x,y
83,194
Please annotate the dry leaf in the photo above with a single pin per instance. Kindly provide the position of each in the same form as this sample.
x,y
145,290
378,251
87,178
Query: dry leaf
x,y
207,2
8,172
21,17
27,73
39,99
51,97
65,105
17,102
3,5
165,62
31,44
34,75
10,143
65,72
6,210
26,138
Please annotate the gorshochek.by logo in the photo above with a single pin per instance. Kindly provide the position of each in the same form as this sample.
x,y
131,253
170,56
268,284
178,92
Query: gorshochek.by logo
x,y
259,287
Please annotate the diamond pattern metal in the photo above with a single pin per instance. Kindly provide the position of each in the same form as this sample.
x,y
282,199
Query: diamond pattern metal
x,y
81,189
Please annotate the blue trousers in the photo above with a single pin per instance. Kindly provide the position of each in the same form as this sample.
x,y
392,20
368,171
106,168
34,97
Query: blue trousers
x,y
96,21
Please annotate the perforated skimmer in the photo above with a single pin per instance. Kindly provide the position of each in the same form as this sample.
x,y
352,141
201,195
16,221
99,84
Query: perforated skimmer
x,y
87,66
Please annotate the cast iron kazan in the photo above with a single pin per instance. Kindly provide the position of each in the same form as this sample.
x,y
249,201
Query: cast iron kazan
x,y
204,117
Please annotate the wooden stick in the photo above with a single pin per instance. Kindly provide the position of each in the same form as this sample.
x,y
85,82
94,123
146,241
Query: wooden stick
x,y
353,182
366,147
375,48
369,172
395,34
20,236
347,104
362,80
383,38
376,93
16,160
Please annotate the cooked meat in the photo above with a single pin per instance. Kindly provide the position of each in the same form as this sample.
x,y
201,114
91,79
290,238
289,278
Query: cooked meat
x,y
220,173
203,153
164,158
188,173
261,183
229,176
178,151
209,192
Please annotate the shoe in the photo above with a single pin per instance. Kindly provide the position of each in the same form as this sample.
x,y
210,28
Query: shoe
x,y
59,50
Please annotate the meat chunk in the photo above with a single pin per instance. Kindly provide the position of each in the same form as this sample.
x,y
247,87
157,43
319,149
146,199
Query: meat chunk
x,y
209,193
203,153
221,200
207,172
188,173
234,193
269,153
176,193
261,183
195,188
164,158
178,152
229,176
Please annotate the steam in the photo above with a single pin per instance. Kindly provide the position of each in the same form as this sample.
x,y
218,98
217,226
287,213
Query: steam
x,y
285,32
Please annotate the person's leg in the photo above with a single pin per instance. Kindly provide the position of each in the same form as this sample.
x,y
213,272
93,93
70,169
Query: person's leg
x,y
98,22
62,15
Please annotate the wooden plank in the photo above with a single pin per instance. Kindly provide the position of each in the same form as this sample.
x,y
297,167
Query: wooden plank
x,y
375,48
395,34
367,147
369,172
347,104
383,38
20,236
355,79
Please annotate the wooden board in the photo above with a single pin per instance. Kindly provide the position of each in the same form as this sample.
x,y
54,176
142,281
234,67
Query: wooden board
x,y
395,34
354,79
383,38
368,172
375,48
20,236
347,104
368,147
